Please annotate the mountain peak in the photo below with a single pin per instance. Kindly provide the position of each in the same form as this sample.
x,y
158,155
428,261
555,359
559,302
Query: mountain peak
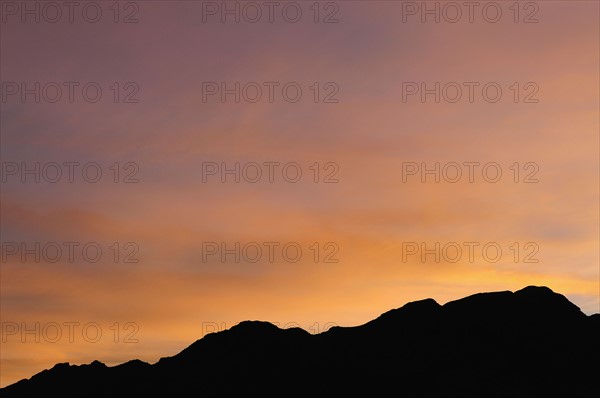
x,y
532,289
542,301
254,326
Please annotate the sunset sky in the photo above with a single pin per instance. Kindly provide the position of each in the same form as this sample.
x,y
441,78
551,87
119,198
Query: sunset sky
x,y
365,134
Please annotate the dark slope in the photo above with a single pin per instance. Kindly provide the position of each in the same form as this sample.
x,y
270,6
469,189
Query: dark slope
x,y
530,343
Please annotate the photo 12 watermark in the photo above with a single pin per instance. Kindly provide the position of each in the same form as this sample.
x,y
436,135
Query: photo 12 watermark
x,y
69,172
289,92
89,92
471,172
69,252
70,12
269,252
271,12
469,92
270,172
470,12
471,251
69,332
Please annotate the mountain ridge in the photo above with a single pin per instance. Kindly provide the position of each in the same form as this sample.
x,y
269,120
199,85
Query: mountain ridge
x,y
425,346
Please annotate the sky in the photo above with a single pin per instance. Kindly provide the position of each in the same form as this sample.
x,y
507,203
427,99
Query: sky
x,y
169,171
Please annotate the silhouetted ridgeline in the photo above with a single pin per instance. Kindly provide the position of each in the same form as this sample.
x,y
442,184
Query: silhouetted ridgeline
x,y
531,343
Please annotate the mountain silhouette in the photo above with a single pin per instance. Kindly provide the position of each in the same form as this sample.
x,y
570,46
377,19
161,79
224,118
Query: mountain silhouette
x,y
530,343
